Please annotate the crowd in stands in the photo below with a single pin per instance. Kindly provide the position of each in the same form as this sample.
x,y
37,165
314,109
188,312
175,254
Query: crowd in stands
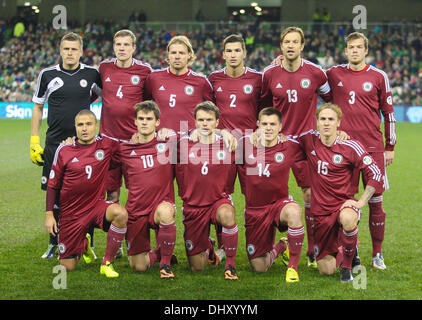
x,y
22,56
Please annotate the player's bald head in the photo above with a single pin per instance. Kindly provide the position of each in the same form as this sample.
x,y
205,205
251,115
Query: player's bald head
x,y
85,112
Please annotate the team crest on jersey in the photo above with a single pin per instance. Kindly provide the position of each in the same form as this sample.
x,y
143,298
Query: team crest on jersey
x,y
279,157
221,155
316,250
135,79
337,158
43,179
305,83
367,160
161,147
367,86
189,245
251,249
189,90
52,174
247,88
83,83
62,248
99,155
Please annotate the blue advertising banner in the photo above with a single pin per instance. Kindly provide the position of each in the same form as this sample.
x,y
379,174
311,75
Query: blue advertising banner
x,y
23,110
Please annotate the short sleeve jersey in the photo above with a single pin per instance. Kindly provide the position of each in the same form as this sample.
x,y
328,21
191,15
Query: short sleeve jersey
x,y
148,173
265,172
122,89
67,93
79,172
363,96
202,171
177,97
331,170
295,94
237,98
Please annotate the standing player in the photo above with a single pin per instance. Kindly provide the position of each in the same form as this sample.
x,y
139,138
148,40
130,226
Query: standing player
x,y
293,88
237,91
123,79
68,88
336,213
78,174
364,93
265,173
201,174
149,175
177,89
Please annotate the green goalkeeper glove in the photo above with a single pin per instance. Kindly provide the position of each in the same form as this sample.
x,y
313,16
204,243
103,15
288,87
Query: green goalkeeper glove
x,y
36,151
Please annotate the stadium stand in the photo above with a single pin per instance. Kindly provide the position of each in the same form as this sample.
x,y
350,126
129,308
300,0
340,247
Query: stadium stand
x,y
394,48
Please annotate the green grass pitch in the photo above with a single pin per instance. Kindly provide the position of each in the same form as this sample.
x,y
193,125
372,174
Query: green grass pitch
x,y
23,275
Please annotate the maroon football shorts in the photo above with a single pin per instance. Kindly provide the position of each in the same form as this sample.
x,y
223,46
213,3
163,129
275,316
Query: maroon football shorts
x,y
326,231
72,232
261,225
138,231
197,222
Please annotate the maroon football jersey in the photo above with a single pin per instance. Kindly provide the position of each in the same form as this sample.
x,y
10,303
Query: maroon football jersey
x,y
362,97
202,171
264,174
295,94
237,98
177,97
122,89
148,175
331,170
79,172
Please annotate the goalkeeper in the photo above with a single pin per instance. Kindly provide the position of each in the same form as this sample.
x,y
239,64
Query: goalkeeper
x,y
67,87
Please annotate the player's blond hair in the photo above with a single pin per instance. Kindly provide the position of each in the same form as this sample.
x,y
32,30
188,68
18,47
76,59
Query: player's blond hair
x,y
183,40
207,106
71,36
125,33
288,30
357,35
330,106
147,106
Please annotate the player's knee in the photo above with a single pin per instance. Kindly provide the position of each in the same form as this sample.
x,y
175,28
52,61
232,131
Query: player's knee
x,y
226,215
294,215
258,265
327,266
69,264
348,219
165,213
139,262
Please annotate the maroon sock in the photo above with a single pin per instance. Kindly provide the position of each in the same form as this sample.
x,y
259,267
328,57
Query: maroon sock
x,y
295,238
376,224
218,232
154,255
115,236
348,241
229,238
166,239
309,229
278,248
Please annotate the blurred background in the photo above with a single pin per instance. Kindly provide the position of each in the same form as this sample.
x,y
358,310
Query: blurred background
x,y
29,42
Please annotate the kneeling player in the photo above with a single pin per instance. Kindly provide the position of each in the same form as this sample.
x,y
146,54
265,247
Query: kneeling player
x,y
336,212
78,176
149,175
201,172
264,178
